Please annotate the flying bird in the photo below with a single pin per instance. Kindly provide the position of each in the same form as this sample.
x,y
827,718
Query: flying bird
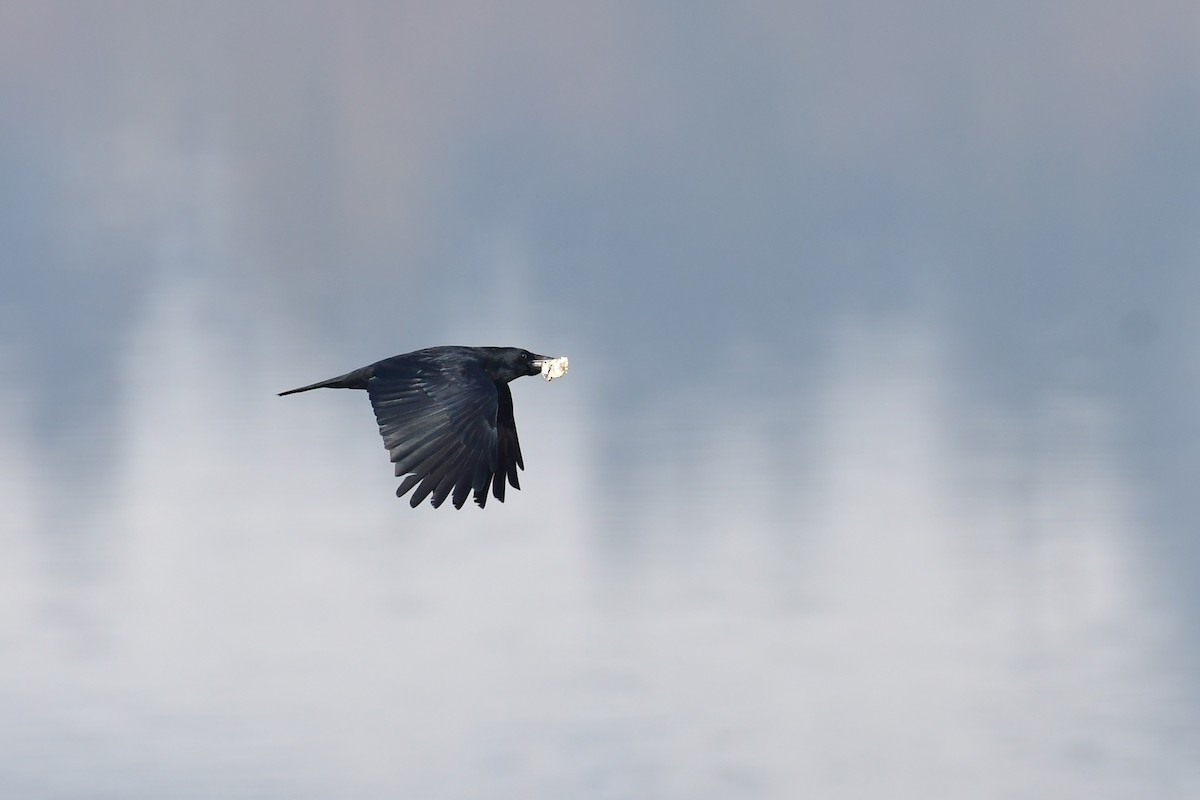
x,y
446,417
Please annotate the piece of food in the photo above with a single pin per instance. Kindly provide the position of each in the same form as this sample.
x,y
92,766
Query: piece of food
x,y
554,368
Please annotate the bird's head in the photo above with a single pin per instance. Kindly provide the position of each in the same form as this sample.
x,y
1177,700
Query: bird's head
x,y
510,363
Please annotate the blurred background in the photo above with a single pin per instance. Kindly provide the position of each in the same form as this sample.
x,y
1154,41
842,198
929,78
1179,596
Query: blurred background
x,y
874,474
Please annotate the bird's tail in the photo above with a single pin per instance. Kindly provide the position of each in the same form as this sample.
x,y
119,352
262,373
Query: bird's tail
x,y
351,380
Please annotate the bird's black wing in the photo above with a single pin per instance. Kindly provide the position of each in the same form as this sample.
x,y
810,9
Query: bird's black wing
x,y
507,445
448,427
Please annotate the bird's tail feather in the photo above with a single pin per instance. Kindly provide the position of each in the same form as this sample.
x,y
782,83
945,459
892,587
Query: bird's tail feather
x,y
351,380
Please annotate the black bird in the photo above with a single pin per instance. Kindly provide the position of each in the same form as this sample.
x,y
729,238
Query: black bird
x,y
446,417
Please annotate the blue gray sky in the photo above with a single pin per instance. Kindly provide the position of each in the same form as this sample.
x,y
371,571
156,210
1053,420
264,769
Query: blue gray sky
x,y
872,475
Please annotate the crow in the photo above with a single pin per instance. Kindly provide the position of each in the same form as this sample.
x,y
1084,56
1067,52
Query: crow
x,y
446,417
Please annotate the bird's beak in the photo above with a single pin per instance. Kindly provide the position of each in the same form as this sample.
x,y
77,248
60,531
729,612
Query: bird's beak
x,y
550,366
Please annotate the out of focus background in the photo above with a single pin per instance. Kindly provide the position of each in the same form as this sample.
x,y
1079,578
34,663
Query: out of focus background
x,y
874,474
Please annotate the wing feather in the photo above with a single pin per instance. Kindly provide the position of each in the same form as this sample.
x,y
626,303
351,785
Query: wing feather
x,y
447,426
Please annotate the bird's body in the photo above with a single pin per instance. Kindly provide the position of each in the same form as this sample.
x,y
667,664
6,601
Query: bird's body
x,y
446,417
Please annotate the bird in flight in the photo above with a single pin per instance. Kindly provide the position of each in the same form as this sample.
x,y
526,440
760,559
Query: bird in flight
x,y
446,417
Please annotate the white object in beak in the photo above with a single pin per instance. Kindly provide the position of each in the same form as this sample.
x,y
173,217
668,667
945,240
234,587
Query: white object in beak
x,y
554,368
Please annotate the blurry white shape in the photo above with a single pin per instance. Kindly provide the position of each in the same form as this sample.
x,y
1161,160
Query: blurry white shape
x,y
895,620
554,368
